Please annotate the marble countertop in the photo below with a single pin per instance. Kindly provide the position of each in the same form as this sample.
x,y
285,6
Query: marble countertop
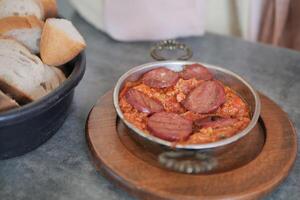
x,y
61,168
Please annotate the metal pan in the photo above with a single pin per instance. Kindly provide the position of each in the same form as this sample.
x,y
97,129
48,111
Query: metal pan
x,y
199,151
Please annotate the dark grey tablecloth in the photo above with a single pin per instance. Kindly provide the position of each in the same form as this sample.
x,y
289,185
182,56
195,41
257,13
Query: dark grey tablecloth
x,y
61,168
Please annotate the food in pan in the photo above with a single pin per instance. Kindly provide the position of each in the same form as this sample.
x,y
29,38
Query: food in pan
x,y
24,76
186,107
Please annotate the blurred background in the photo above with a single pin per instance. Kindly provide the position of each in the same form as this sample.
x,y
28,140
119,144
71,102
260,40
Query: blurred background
x,y
274,22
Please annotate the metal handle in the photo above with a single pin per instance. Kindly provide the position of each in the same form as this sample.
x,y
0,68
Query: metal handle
x,y
187,161
181,161
171,45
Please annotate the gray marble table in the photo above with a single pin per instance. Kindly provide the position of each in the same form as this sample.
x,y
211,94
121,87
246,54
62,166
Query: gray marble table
x,y
61,169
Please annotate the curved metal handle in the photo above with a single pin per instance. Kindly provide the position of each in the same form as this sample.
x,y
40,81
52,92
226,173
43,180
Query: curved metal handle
x,y
171,45
187,161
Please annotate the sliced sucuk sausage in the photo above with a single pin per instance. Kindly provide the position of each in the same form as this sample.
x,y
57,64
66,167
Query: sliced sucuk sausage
x,y
205,98
142,102
169,126
196,71
160,78
203,121
215,122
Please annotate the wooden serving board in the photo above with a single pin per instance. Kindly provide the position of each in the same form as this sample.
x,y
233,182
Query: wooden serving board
x,y
254,167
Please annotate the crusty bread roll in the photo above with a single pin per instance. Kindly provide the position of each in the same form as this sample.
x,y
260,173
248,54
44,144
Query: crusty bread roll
x,y
50,8
6,102
23,75
26,30
60,42
21,8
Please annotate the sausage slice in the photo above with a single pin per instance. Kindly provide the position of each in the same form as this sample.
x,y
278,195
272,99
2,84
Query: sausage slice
x,y
160,78
205,98
169,126
215,122
142,102
196,71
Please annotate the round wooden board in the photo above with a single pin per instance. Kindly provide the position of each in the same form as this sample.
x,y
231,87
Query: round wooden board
x,y
129,166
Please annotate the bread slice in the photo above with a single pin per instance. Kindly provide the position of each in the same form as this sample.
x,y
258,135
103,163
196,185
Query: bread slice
x,y
7,103
21,8
26,30
23,76
60,42
53,78
10,44
59,73
21,73
50,8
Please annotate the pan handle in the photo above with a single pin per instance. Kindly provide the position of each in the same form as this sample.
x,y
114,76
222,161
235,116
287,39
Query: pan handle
x,y
190,162
170,45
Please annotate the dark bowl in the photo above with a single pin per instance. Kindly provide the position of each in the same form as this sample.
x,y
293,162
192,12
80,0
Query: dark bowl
x,y
26,128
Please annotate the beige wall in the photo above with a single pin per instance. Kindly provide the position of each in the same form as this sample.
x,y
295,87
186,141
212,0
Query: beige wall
x,y
226,17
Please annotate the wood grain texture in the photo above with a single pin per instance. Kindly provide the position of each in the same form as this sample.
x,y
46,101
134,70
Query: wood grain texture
x,y
136,172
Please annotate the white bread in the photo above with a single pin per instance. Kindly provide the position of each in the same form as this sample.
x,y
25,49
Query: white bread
x,y
60,42
23,76
26,30
53,78
21,73
16,79
50,8
21,8
59,73
10,44
6,102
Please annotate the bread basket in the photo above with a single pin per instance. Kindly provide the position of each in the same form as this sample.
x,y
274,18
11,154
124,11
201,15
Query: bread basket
x,y
25,128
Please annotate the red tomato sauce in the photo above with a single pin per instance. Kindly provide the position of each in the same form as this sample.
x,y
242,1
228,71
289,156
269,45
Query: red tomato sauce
x,y
172,97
